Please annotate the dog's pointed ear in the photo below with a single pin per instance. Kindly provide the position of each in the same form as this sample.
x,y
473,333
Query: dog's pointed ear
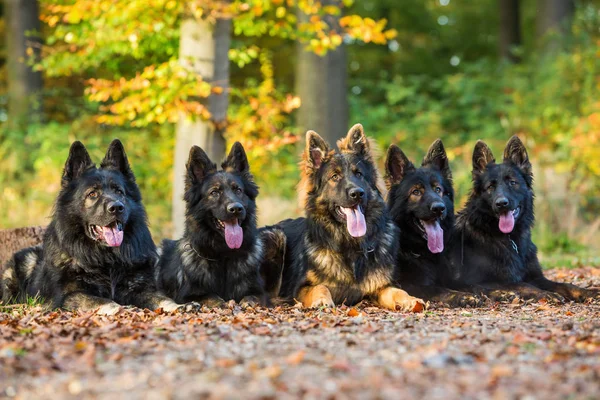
x,y
236,161
116,159
482,156
198,166
355,142
516,153
397,165
79,160
436,157
316,152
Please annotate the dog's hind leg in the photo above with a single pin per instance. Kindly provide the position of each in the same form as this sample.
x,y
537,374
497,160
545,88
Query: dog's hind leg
x,y
153,300
512,290
567,290
449,297
271,268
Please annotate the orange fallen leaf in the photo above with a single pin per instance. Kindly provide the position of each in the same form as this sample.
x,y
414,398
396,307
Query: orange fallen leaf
x,y
225,362
295,358
353,312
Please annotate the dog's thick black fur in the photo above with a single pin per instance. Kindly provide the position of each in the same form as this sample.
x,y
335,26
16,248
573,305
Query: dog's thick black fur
x,y
421,202
492,251
221,252
345,249
97,250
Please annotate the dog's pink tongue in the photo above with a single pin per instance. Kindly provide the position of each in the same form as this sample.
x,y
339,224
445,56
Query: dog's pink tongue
x,y
507,222
435,236
234,235
355,221
112,236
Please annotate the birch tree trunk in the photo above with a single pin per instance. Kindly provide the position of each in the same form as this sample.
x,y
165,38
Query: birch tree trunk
x,y
321,83
203,48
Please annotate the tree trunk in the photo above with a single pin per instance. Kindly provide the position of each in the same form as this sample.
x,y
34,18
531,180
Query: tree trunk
x,y
13,240
553,16
510,30
203,48
24,84
321,83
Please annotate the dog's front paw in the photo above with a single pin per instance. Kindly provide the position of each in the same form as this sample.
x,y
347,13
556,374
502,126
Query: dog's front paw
x,y
551,297
170,306
316,296
398,300
580,295
191,307
109,309
214,302
463,299
250,301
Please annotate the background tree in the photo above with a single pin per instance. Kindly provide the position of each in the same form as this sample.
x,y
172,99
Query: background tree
x,y
23,40
510,29
321,83
553,15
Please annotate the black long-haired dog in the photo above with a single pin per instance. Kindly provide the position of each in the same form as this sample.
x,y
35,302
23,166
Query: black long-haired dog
x,y
492,251
221,252
97,252
346,247
421,202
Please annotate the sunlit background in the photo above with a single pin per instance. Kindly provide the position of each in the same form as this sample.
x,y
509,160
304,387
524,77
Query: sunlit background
x,y
410,71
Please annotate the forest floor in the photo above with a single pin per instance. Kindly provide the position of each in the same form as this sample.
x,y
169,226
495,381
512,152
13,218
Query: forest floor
x,y
517,350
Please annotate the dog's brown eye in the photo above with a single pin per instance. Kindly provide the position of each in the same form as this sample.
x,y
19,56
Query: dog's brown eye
x,y
358,174
214,193
416,192
438,189
238,191
335,177
93,194
119,192
512,183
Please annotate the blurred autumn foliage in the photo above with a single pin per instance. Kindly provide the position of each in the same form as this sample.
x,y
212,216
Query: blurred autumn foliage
x,y
416,70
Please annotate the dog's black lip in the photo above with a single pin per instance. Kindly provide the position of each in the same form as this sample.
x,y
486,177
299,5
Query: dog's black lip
x,y
420,225
95,230
340,213
515,211
220,225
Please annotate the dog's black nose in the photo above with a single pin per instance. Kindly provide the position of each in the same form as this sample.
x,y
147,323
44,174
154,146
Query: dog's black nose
x,y
115,207
235,208
438,208
502,202
356,193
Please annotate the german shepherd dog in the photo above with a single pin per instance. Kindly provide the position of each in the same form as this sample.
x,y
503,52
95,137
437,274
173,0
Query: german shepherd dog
x,y
97,251
346,247
221,252
421,202
492,251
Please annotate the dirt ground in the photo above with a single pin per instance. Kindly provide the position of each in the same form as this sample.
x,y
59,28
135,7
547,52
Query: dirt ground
x,y
518,350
